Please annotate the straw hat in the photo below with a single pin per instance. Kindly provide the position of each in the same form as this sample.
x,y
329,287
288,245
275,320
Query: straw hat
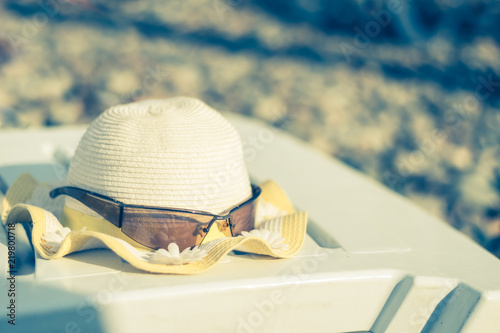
x,y
175,152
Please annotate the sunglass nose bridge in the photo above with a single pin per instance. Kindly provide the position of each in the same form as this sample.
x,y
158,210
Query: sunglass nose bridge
x,y
229,222
218,228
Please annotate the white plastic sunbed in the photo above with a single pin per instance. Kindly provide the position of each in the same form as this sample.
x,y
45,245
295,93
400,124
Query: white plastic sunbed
x,y
372,261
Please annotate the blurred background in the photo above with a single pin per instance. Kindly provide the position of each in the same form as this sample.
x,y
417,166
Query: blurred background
x,y
407,92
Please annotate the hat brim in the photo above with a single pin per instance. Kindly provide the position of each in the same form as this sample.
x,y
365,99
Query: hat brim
x,y
291,227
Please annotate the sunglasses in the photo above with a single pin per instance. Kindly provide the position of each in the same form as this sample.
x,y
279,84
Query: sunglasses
x,y
157,227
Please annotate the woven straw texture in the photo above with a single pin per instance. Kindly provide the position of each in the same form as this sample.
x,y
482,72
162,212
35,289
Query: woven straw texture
x,y
291,227
175,152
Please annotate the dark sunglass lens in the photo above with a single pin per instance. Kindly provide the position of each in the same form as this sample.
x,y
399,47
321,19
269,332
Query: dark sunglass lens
x,y
157,228
243,219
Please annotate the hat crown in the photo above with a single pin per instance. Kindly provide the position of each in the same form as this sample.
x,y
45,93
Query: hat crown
x,y
176,152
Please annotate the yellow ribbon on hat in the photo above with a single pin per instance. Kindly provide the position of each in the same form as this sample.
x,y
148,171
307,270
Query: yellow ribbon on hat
x,y
292,227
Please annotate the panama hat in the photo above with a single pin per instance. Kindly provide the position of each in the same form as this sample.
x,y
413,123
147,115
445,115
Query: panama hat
x,y
150,166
